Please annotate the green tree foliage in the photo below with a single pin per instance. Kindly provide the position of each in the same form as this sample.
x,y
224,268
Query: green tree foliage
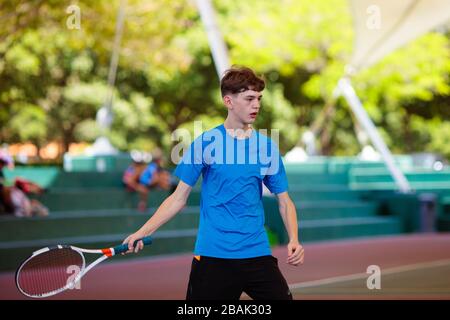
x,y
53,79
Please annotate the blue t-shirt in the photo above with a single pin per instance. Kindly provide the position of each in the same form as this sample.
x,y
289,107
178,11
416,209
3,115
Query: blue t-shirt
x,y
231,210
146,177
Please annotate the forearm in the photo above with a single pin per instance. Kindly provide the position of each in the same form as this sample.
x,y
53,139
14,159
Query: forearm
x,y
166,211
288,213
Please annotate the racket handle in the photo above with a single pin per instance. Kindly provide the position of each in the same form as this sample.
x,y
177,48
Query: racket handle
x,y
124,247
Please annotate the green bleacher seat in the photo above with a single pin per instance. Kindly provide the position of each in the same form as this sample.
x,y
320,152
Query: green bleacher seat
x,y
335,197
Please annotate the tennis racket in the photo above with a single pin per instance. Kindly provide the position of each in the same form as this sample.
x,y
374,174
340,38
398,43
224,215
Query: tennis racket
x,y
52,270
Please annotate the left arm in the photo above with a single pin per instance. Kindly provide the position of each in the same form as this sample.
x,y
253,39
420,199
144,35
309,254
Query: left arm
x,y
289,215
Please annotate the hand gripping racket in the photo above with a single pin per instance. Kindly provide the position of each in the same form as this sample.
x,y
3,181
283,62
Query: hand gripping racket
x,y
52,270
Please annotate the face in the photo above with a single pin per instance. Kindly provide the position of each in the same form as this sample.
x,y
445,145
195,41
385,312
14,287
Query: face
x,y
163,180
244,105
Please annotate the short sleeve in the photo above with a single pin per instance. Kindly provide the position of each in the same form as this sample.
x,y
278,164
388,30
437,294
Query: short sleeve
x,y
191,165
275,178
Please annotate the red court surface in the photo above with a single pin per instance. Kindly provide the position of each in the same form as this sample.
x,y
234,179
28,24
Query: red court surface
x,y
412,267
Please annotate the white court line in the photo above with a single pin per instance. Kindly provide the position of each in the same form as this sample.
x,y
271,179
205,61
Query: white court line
x,y
321,282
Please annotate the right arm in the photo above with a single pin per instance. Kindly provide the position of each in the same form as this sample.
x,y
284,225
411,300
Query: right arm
x,y
166,211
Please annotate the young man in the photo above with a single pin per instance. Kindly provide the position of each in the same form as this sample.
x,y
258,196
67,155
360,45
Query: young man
x,y
232,252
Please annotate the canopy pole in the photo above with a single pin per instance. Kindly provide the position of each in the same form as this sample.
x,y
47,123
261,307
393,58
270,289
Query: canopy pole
x,y
346,90
317,126
327,112
215,39
115,57
105,115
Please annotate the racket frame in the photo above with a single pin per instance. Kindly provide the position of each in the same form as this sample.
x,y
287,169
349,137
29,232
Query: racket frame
x,y
106,253
77,278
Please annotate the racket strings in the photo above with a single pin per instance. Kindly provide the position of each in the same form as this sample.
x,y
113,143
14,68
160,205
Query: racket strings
x,y
49,271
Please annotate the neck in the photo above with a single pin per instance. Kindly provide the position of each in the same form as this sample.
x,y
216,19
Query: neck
x,y
237,128
232,123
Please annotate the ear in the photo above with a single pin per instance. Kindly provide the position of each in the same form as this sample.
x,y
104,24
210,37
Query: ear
x,y
228,102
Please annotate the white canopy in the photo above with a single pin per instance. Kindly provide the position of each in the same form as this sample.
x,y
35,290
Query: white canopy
x,y
381,26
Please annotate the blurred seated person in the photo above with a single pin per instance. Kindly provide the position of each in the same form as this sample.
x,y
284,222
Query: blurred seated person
x,y
132,174
3,163
28,186
15,201
4,208
131,178
143,177
154,176
19,182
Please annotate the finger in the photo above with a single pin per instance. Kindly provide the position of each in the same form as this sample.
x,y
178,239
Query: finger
x,y
130,245
126,240
300,259
299,255
137,247
296,262
295,253
298,252
289,249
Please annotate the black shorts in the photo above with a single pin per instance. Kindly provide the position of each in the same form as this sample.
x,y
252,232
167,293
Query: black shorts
x,y
226,279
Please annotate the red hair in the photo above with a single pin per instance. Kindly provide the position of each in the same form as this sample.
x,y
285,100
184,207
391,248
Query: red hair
x,y
240,79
